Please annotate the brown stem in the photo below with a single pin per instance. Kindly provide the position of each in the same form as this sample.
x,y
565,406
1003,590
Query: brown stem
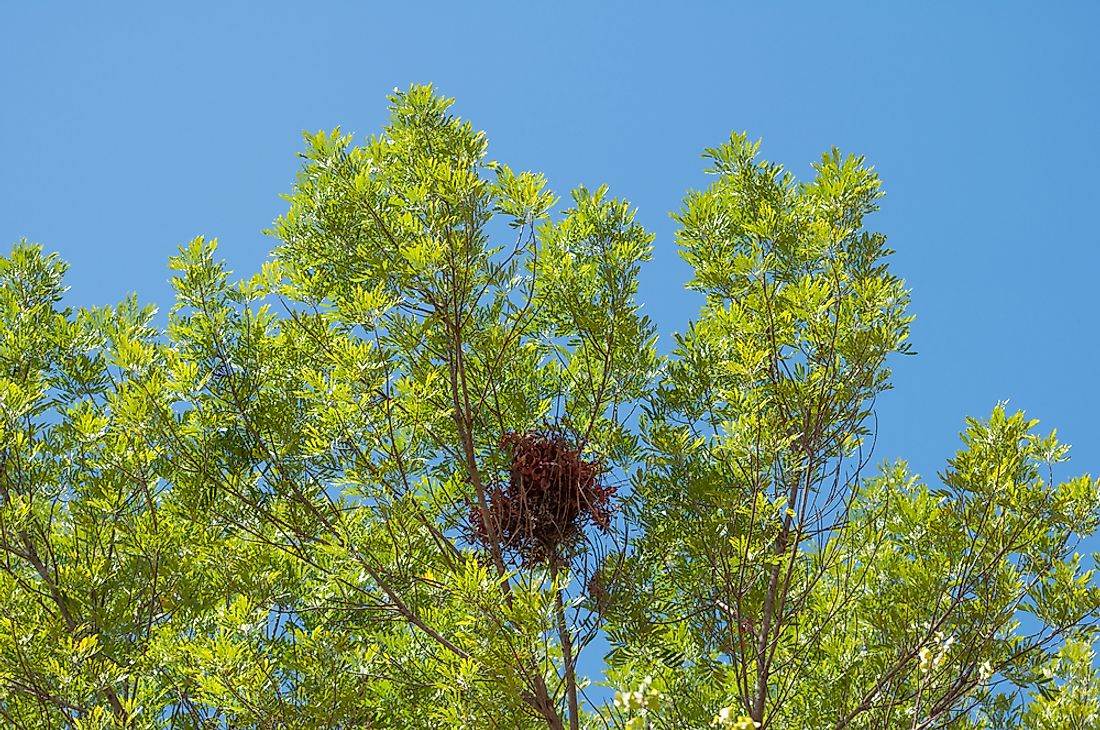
x,y
568,657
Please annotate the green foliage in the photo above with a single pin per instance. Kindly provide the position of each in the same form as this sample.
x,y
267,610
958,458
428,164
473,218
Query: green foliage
x,y
277,512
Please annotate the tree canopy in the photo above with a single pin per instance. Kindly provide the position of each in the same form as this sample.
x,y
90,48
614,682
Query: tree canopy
x,y
429,469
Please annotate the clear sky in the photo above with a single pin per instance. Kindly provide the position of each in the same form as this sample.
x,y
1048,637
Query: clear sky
x,y
126,132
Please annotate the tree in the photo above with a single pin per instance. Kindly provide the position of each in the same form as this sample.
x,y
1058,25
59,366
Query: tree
x,y
409,472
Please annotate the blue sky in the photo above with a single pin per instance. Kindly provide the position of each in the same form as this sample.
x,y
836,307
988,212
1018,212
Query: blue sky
x,y
125,133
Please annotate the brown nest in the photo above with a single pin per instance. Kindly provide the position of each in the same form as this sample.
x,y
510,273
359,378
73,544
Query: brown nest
x,y
551,495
